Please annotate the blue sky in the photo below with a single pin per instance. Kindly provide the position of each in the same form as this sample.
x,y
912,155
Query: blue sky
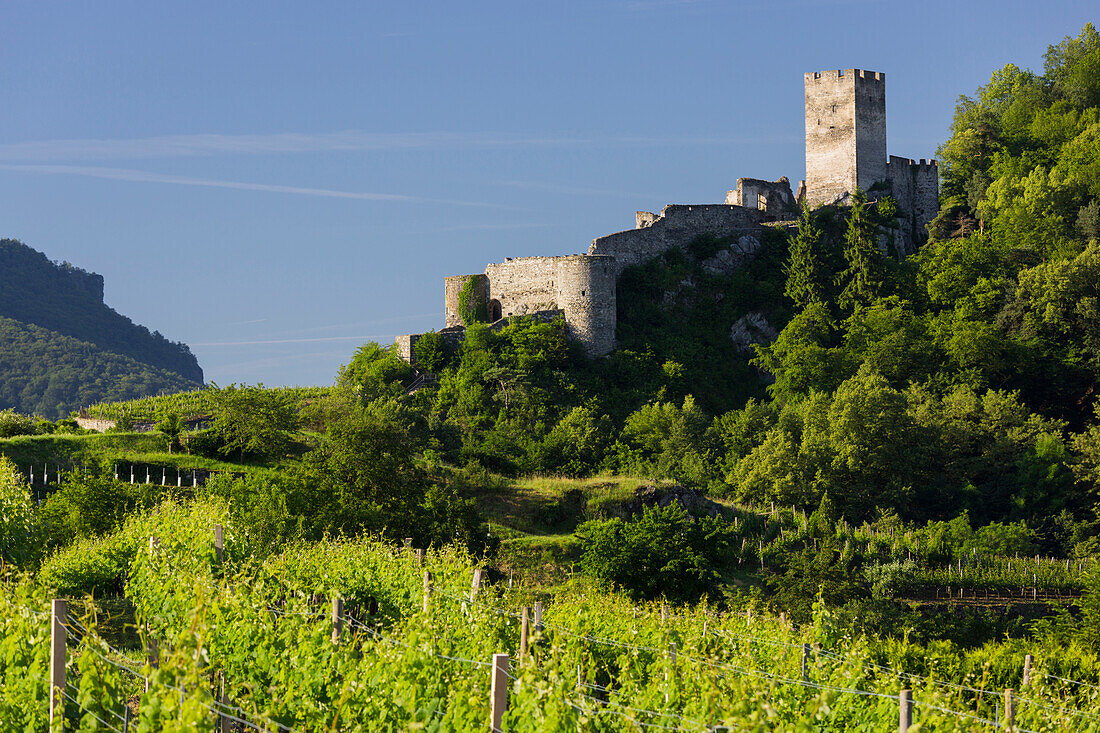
x,y
275,183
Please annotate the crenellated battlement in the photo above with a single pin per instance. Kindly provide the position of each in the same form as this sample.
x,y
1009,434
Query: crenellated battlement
x,y
836,75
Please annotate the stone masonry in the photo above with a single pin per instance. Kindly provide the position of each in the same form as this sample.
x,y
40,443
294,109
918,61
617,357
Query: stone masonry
x,y
845,133
845,149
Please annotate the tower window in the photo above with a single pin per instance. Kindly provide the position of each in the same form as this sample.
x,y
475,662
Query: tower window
x,y
582,293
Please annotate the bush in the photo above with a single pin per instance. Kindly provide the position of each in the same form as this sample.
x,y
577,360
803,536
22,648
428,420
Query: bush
x,y
13,423
662,553
16,516
95,565
889,579
92,505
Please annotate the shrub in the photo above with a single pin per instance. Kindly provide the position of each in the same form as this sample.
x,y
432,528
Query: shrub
x,y
16,516
13,423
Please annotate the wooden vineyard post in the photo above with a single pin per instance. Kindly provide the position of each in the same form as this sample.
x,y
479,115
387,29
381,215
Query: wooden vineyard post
x,y
58,638
1027,670
671,667
805,662
427,590
152,656
408,544
538,615
419,556
905,708
337,619
223,701
219,543
524,628
1010,709
498,700
475,584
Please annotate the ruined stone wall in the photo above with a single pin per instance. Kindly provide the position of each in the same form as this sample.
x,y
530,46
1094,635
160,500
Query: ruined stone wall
x,y
926,195
845,132
405,345
915,186
676,227
581,286
774,198
452,286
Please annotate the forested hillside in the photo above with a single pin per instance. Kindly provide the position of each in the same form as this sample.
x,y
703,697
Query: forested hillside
x,y
45,373
62,348
68,300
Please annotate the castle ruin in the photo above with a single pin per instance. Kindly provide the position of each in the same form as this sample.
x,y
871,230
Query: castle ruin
x,y
845,150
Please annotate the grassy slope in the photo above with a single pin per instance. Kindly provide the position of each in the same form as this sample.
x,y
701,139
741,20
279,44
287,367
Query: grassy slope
x,y
535,518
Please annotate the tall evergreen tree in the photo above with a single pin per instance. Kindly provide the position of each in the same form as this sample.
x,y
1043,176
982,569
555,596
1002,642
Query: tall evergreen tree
x,y
805,280
862,279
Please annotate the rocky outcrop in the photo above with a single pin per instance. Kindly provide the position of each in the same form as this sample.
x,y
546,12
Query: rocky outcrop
x,y
692,501
734,257
749,329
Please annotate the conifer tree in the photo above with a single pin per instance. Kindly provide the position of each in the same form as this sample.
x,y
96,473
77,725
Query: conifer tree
x,y
863,278
804,268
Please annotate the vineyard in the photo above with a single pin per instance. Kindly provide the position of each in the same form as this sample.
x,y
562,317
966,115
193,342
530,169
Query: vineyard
x,y
352,635
195,402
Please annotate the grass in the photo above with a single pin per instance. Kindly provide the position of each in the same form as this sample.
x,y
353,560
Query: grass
x,y
546,505
536,516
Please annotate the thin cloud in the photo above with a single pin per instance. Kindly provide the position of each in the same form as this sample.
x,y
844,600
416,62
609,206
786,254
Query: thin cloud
x,y
202,145
125,174
175,146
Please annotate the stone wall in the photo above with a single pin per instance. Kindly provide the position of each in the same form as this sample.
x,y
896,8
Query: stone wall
x,y
845,132
676,227
581,286
452,286
100,425
774,198
915,186
405,344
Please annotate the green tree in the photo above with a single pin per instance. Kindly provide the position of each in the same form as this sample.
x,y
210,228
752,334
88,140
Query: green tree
x,y
171,427
862,280
431,352
254,420
804,268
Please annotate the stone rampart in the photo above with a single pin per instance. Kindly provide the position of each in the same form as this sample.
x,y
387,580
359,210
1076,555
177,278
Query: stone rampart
x,y
676,227
581,286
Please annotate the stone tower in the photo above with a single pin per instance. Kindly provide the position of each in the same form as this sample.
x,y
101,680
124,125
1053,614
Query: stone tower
x,y
845,133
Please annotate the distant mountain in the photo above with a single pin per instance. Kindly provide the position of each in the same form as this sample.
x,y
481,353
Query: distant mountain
x,y
61,347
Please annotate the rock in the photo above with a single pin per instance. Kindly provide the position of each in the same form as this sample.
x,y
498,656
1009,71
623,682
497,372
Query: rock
x,y
692,501
732,258
751,328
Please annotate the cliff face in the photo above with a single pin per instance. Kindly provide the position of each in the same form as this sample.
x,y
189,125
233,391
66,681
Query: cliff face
x,y
68,300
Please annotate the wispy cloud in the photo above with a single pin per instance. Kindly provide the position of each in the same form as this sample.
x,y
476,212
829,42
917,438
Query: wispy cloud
x,y
175,146
125,174
202,145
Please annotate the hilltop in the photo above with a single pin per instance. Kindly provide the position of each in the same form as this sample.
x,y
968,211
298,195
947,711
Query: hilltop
x,y
62,347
